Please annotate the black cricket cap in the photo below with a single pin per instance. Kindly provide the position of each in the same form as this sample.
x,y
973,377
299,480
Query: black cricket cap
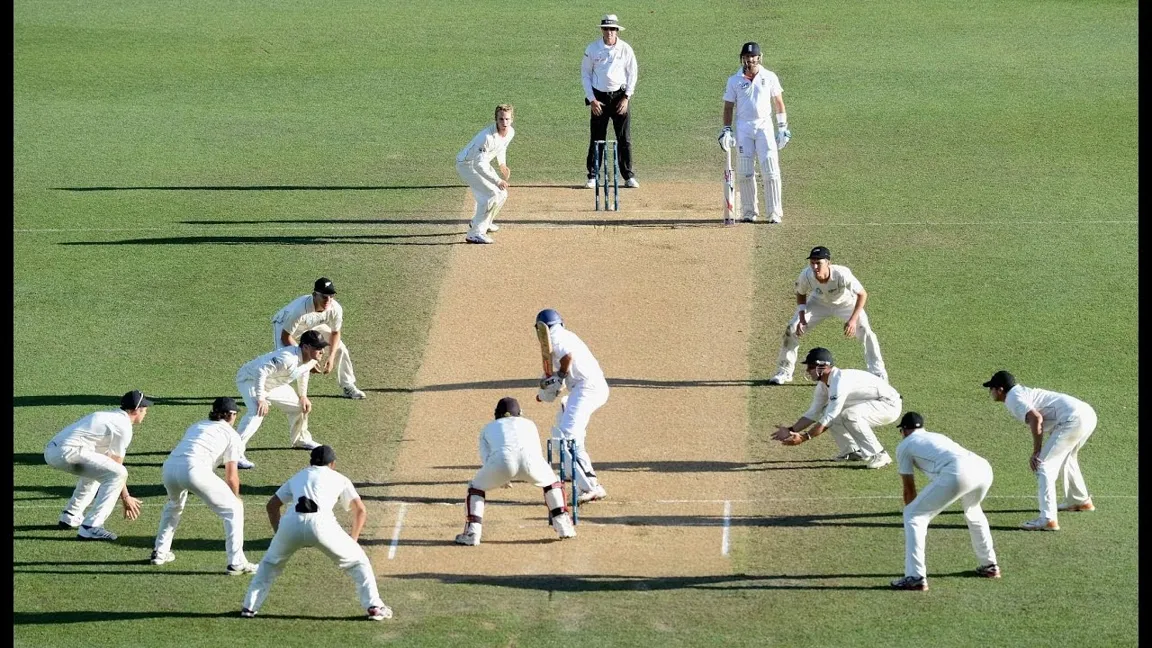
x,y
224,405
322,455
911,421
507,406
313,339
134,400
324,286
819,356
819,252
1002,380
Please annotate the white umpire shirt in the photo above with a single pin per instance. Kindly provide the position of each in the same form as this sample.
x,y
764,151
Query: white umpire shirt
x,y
841,288
608,69
300,315
208,443
322,485
100,432
933,453
1053,406
584,370
512,432
277,368
487,144
753,98
845,388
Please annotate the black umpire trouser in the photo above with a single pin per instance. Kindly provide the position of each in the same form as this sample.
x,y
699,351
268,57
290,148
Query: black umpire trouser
x,y
620,123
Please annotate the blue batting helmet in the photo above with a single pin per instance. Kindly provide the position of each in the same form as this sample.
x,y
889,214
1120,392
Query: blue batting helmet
x,y
549,317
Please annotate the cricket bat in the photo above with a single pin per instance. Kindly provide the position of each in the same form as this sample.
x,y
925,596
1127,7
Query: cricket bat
x,y
729,191
545,347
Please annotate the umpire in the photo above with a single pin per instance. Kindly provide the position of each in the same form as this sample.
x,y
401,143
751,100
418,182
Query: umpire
x,y
609,76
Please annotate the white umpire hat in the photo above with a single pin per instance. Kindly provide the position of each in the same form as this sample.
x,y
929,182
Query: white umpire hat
x,y
610,21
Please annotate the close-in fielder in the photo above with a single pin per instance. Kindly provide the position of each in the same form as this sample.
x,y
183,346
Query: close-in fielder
x,y
847,403
322,313
474,164
312,493
826,290
267,381
750,96
510,451
189,467
578,370
94,448
1069,422
956,474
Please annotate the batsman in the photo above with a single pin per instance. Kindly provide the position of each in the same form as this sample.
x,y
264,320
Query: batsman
x,y
751,96
569,363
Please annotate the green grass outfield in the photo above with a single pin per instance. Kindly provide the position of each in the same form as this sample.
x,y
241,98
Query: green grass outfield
x,y
177,165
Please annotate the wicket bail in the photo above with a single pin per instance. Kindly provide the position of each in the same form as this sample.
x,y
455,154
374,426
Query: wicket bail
x,y
602,172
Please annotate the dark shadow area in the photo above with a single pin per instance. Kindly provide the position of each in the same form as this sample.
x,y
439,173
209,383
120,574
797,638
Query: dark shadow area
x,y
808,520
529,383
148,542
107,401
65,492
707,466
413,500
268,188
588,583
360,485
57,617
449,542
318,239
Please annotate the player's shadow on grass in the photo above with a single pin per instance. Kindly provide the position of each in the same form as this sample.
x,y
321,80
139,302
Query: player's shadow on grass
x,y
859,520
56,617
264,187
104,400
529,383
688,466
149,542
582,221
318,239
597,583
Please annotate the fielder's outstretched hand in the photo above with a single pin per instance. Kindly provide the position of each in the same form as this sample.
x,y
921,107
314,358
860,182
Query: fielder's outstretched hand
x,y
782,433
131,508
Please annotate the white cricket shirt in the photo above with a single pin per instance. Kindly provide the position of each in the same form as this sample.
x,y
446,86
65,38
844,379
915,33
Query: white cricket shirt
x,y
510,432
102,432
753,98
933,453
608,69
841,288
300,315
1053,406
584,368
320,484
845,388
486,145
208,444
276,368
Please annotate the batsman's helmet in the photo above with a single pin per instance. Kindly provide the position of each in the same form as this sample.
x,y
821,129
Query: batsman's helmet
x,y
549,317
819,356
751,48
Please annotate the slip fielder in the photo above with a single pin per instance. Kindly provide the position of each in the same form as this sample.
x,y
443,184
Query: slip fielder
x,y
318,312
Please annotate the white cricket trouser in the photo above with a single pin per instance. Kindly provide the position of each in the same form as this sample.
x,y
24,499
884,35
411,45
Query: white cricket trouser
x,y
754,141
488,195
283,398
968,482
852,430
343,363
101,479
1059,456
572,423
320,530
817,312
180,476
511,464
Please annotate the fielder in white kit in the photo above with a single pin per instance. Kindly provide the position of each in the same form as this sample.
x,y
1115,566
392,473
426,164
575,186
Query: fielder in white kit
x,y
826,290
510,451
847,403
956,474
750,96
312,494
94,448
267,381
318,312
1069,422
578,370
190,467
474,164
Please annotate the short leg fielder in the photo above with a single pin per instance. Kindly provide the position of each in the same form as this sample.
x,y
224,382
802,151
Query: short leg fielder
x,y
101,479
283,398
488,195
1060,456
298,531
786,360
752,143
852,430
572,423
970,486
179,479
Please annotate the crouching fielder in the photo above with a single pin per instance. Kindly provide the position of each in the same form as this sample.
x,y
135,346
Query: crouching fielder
x,y
312,493
474,164
510,451
957,474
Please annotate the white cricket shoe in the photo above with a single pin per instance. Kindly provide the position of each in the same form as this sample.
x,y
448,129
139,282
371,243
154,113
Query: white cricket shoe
x,y
162,558
242,568
244,464
95,533
379,613
591,184
632,183
564,527
355,394
775,218
468,539
1040,524
305,445
746,218
493,227
597,493
851,455
878,460
246,613
478,238
780,378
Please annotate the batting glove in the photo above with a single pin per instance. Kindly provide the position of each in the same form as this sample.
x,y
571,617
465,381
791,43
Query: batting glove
x,y
783,136
726,140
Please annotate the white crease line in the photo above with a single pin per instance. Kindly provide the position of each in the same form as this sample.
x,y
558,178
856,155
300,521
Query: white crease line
x,y
396,531
727,528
